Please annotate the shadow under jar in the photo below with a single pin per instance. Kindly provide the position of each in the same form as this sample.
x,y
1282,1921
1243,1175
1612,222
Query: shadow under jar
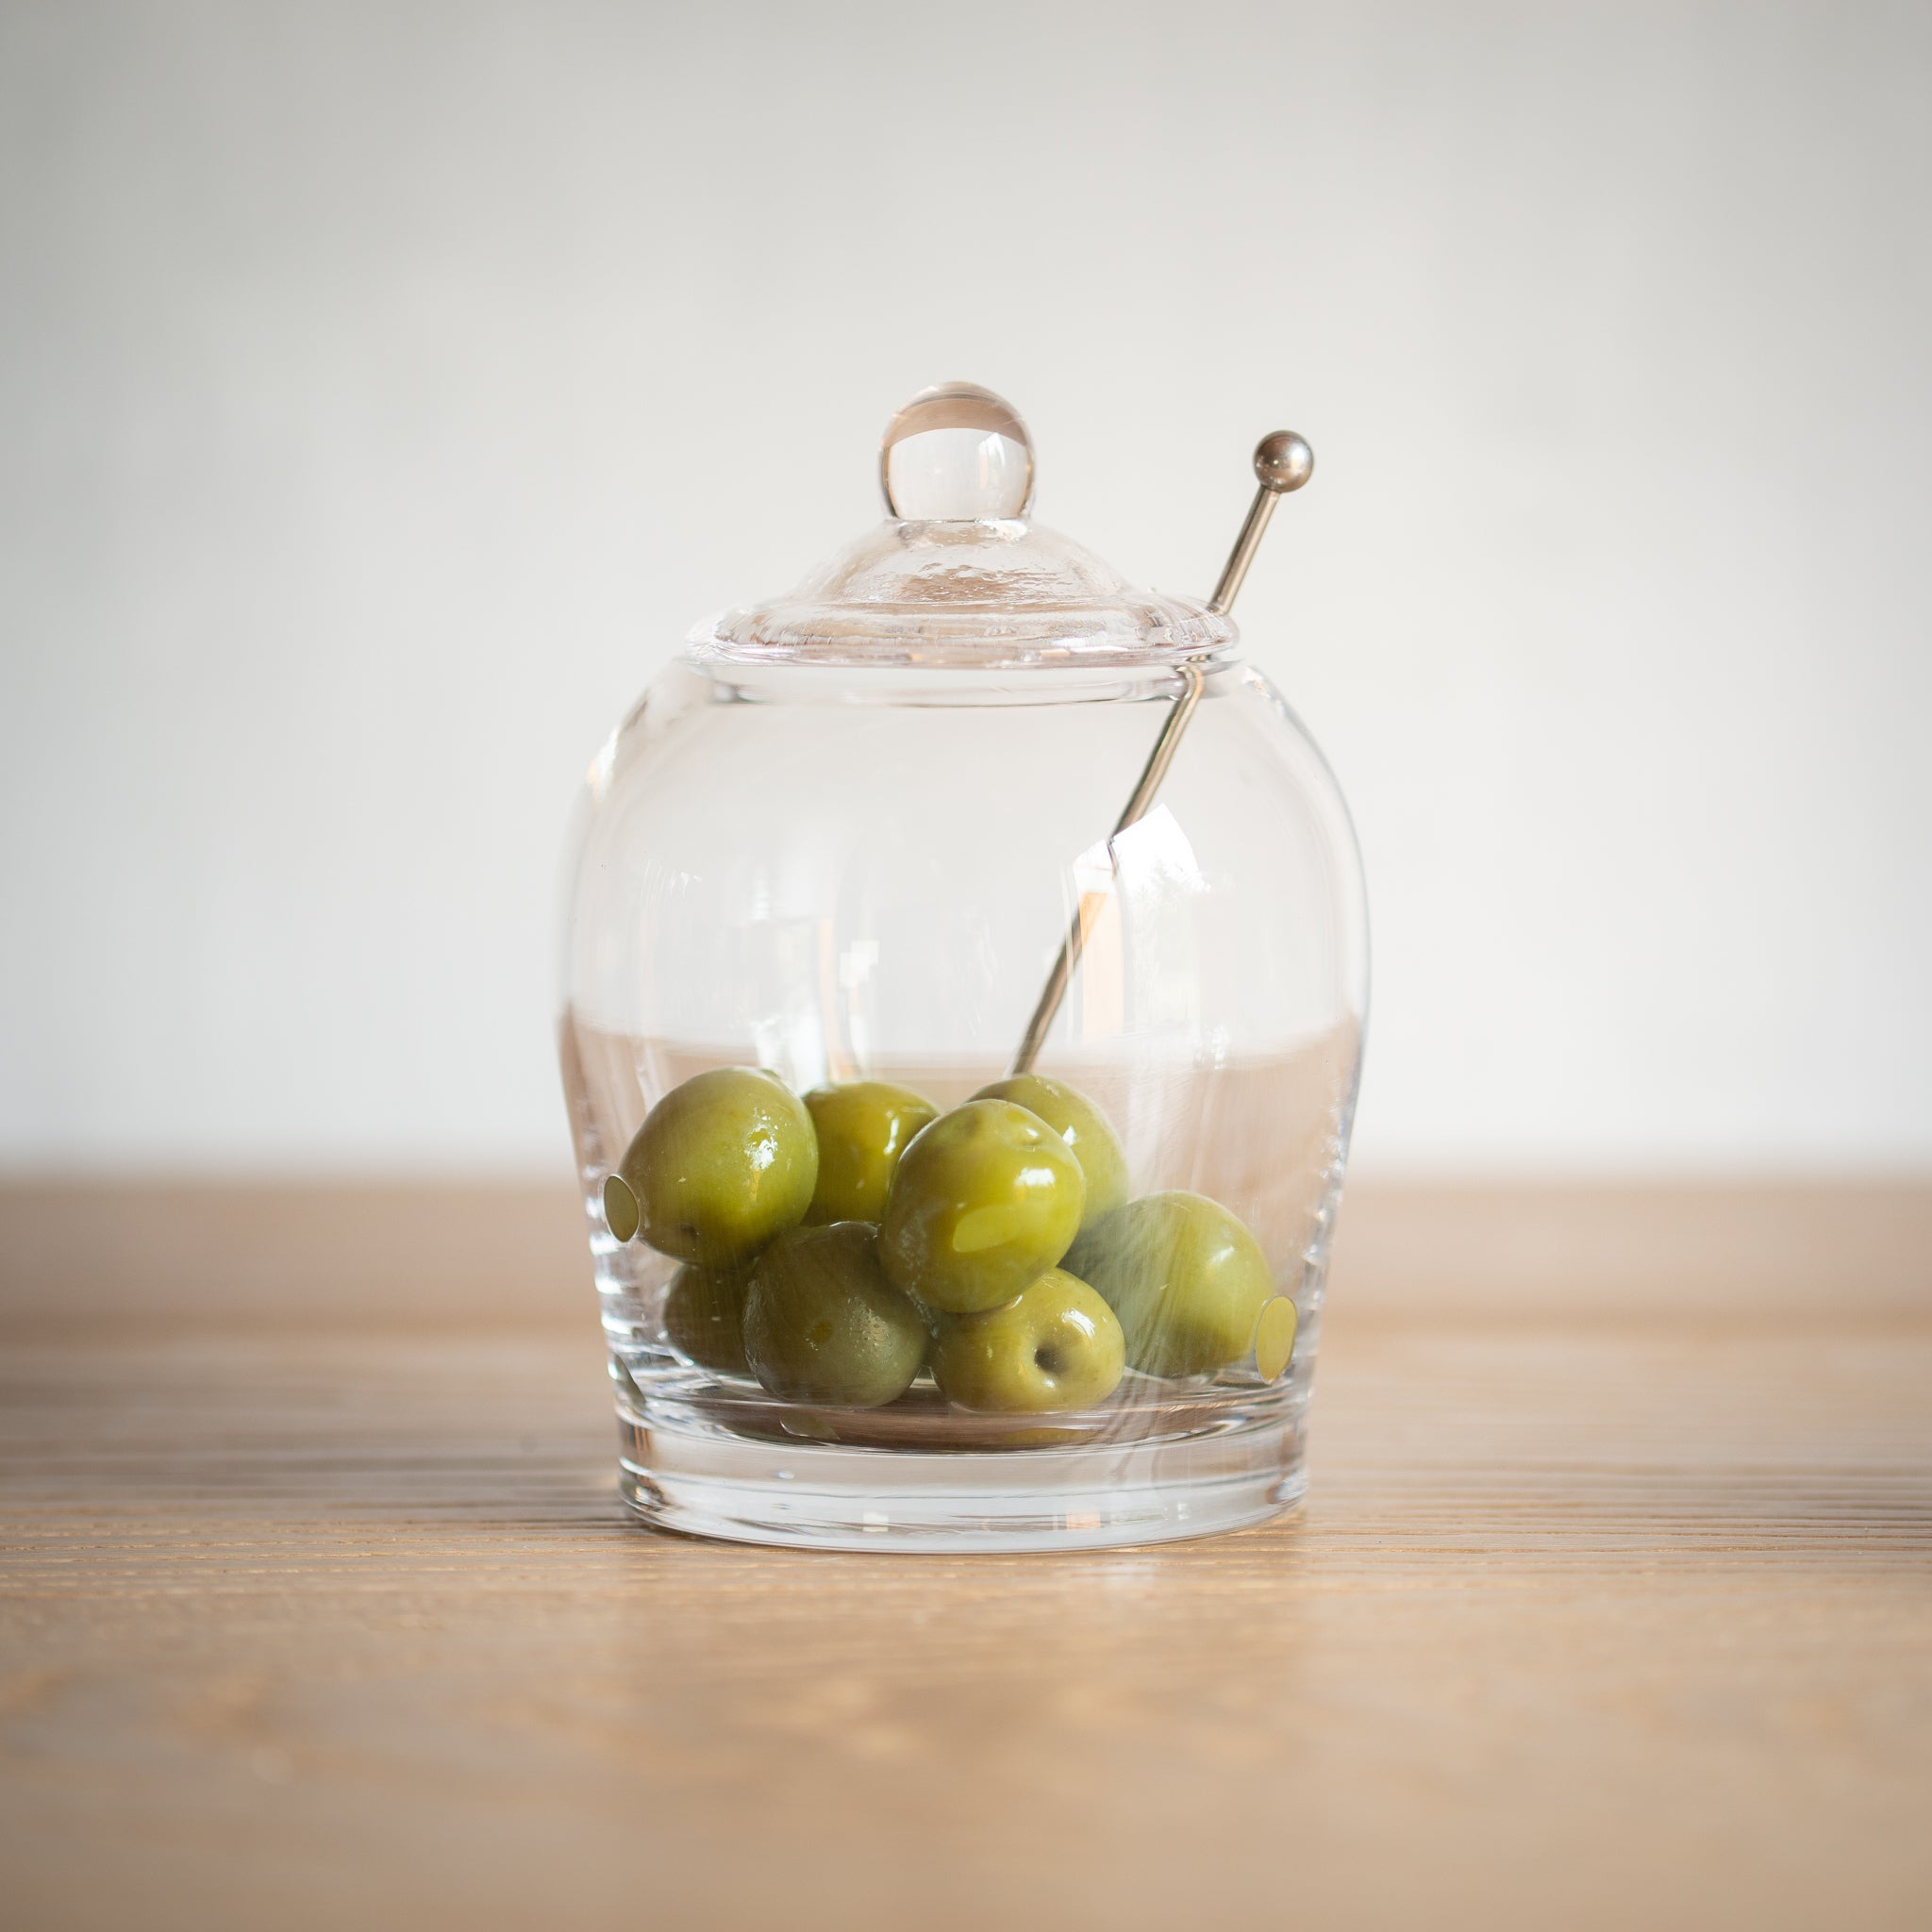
x,y
841,839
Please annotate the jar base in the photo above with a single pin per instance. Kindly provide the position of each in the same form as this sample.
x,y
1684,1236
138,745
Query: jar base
x,y
833,1496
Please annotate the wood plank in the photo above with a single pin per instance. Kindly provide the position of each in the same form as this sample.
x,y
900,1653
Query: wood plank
x,y
1584,1626
1613,1604
406,1252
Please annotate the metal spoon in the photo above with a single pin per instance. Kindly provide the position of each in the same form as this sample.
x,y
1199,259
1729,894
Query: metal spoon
x,y
1283,461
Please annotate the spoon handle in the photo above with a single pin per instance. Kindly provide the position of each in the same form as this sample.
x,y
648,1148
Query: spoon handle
x,y
1283,461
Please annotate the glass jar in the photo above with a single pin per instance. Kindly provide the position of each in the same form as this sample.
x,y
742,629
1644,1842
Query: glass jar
x,y
862,834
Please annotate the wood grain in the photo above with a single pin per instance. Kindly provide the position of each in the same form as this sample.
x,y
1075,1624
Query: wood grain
x,y
392,1254
1606,1622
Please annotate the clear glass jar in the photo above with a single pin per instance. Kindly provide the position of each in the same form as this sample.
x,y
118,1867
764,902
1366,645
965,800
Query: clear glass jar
x,y
844,838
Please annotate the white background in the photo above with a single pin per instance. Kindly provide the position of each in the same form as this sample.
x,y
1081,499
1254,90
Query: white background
x,y
385,388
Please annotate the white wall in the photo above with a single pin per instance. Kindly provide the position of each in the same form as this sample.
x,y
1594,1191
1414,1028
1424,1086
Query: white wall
x,y
385,388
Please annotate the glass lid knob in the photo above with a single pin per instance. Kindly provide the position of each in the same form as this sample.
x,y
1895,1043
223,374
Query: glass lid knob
x,y
957,454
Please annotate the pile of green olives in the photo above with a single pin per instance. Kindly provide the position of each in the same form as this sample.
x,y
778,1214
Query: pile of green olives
x,y
838,1246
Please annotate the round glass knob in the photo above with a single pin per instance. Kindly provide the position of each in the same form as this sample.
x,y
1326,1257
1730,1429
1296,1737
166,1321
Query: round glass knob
x,y
957,454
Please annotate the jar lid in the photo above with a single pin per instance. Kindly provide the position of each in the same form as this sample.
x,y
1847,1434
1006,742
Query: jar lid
x,y
960,574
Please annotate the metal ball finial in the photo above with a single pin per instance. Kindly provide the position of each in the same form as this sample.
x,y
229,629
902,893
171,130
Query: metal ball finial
x,y
1283,461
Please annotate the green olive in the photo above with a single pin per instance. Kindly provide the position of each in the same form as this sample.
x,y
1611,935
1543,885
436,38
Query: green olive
x,y
823,1324
620,1207
1082,1126
704,1315
721,1166
863,1128
1058,1346
1274,1338
985,1200
1187,1280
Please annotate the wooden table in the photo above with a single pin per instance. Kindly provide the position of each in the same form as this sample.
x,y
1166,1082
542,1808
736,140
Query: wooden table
x,y
1604,1611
